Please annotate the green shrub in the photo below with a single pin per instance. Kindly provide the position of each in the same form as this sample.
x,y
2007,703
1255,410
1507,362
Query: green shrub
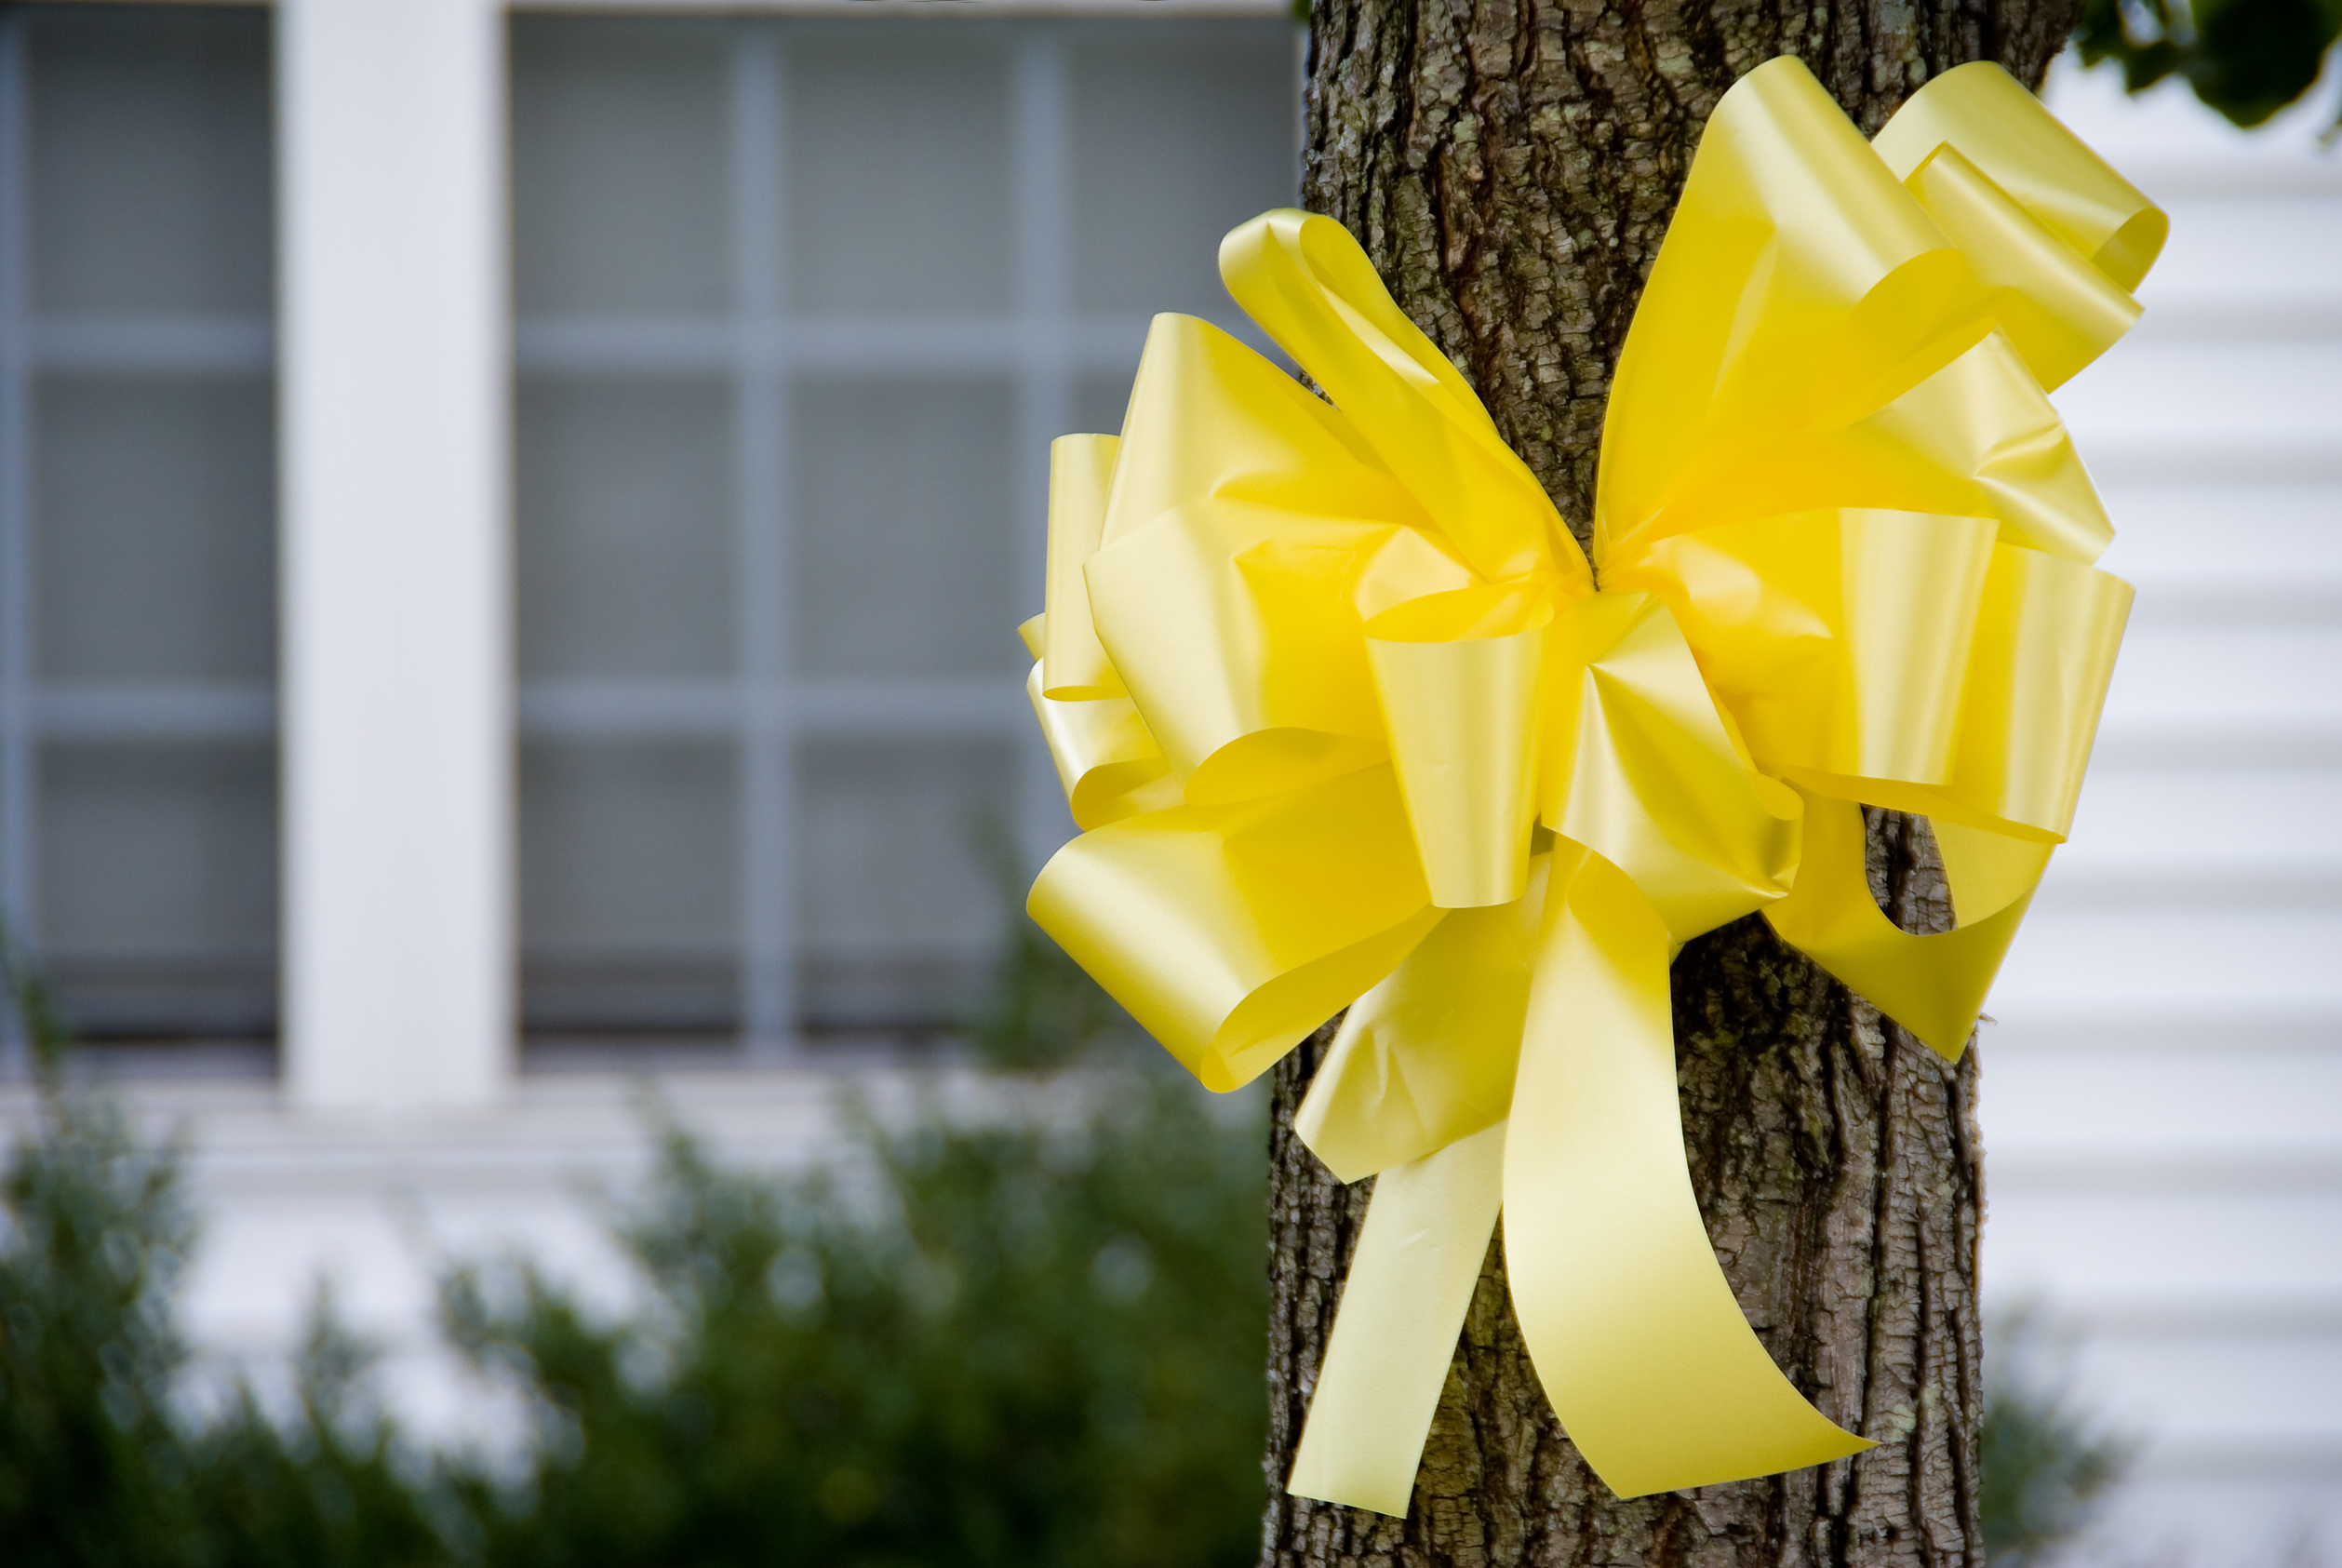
x,y
93,1468
1025,1344
2047,1461
1028,1338
100,1460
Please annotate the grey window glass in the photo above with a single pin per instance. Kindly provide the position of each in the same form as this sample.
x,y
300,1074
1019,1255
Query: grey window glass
x,y
630,903
153,528
158,914
1099,403
899,169
137,515
783,475
619,138
625,526
906,560
1178,136
150,160
889,901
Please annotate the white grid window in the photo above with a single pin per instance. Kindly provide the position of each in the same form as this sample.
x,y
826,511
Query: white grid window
x,y
800,305
137,511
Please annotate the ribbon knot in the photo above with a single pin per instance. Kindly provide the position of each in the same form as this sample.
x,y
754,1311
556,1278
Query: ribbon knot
x,y
1347,721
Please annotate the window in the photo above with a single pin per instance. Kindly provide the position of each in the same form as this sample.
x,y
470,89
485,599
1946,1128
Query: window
x,y
800,305
137,510
800,302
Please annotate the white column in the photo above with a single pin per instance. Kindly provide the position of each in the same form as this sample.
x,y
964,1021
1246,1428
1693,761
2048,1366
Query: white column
x,y
395,476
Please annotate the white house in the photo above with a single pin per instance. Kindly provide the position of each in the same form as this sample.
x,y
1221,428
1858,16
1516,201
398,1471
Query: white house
x,y
510,526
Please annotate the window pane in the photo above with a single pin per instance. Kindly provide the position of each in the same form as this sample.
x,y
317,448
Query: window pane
x,y
906,548
619,167
149,138
1180,133
899,919
628,885
898,137
159,908
144,853
155,534
1099,402
625,546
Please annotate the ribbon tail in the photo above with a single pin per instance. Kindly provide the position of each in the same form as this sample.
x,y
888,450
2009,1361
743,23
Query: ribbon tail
x,y
1637,1337
1409,1284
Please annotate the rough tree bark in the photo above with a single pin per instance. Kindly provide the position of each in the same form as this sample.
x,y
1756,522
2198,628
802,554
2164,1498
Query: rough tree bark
x,y
1511,166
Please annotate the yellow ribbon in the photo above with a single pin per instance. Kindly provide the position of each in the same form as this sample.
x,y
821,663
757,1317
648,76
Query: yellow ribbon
x,y
1349,720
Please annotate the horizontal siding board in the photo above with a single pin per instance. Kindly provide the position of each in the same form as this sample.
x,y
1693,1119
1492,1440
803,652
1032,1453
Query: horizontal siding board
x,y
2139,959
2209,1102
2206,394
2124,1236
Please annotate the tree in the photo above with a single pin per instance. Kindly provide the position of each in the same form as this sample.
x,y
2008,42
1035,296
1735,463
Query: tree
x,y
1510,167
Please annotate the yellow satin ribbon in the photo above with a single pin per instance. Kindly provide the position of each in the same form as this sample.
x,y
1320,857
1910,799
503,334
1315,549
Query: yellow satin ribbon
x,y
1348,719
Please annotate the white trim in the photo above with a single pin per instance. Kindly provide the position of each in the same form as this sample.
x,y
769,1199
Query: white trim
x,y
395,580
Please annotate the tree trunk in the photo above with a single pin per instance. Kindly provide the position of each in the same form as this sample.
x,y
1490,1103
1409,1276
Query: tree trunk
x,y
1511,165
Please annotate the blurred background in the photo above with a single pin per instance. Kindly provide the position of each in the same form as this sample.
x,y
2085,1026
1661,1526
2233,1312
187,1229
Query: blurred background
x,y
511,533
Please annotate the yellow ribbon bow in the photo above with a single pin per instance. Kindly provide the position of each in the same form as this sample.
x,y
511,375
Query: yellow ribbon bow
x,y
1348,719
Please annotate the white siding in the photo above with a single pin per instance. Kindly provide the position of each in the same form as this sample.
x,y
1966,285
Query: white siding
x,y
2162,1096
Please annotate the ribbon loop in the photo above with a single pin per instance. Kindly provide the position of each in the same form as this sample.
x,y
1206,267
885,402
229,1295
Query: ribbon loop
x,y
1457,674
1074,662
1231,932
1978,438
1934,985
1106,761
1245,536
1800,290
2059,311
2045,646
1312,289
2045,169
1840,640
